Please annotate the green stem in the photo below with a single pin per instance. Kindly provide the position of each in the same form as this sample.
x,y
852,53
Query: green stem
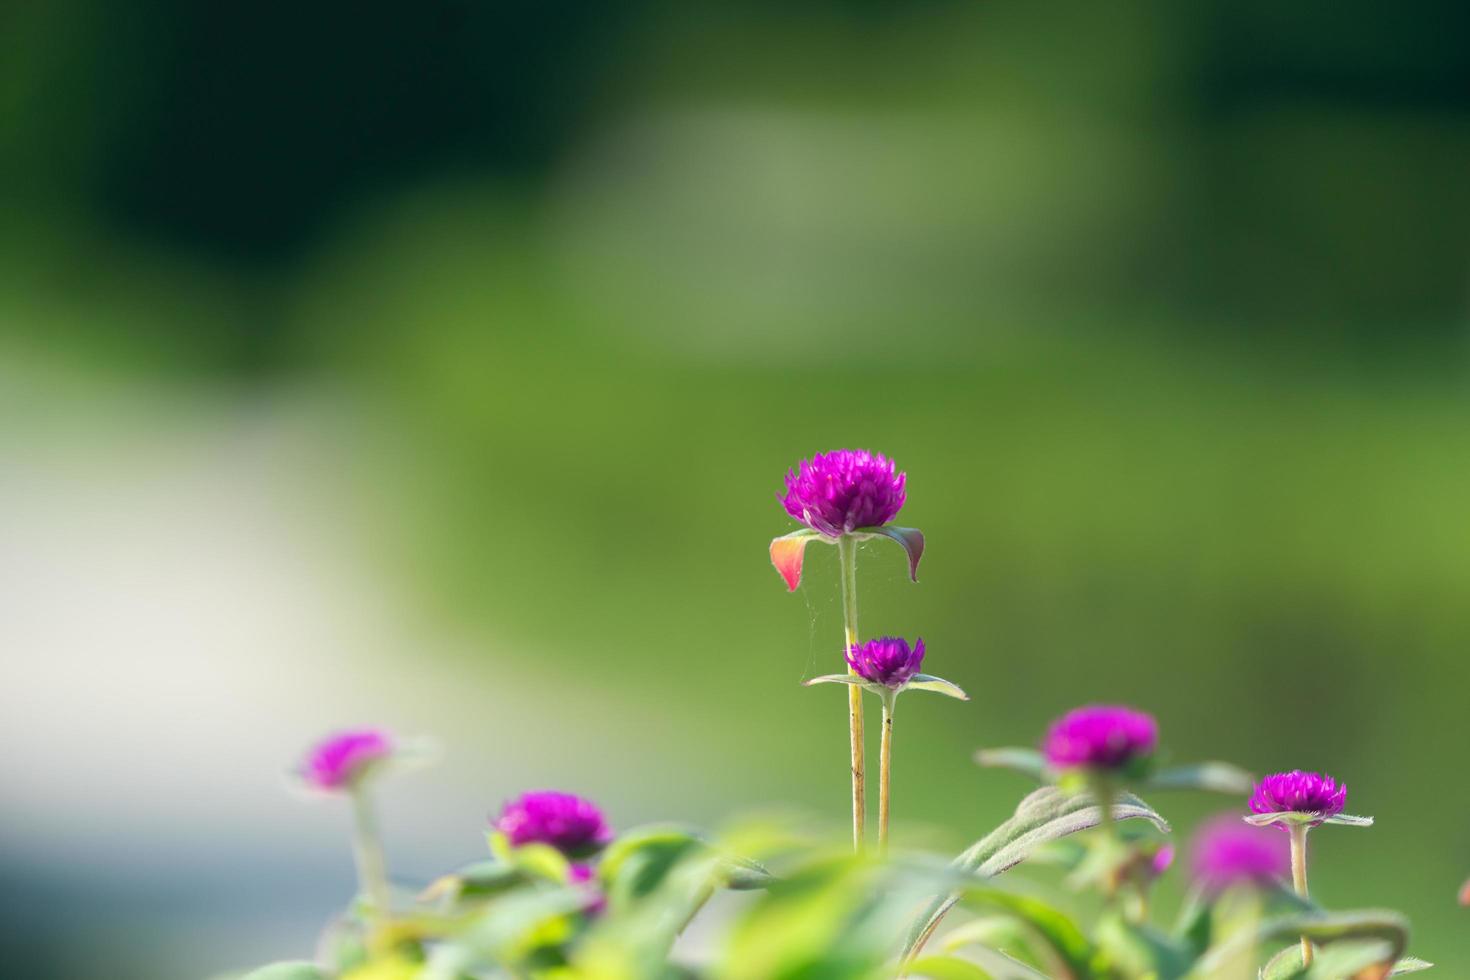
x,y
367,849
847,559
1299,876
885,768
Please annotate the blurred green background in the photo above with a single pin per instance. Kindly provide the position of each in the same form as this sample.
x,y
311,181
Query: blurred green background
x,y
437,365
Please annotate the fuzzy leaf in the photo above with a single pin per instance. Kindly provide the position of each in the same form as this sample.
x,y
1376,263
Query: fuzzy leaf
x,y
852,679
1214,777
1409,964
928,682
1348,820
1287,817
911,539
787,552
1044,816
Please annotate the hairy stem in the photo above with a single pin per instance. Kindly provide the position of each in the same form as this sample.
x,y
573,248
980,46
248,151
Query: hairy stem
x,y
1299,876
367,849
885,768
847,559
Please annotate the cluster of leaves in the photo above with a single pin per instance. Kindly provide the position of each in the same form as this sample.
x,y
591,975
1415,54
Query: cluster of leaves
x,y
826,913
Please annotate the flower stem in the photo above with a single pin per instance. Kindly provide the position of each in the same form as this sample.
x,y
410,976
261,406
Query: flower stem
x,y
847,559
367,849
885,768
1299,876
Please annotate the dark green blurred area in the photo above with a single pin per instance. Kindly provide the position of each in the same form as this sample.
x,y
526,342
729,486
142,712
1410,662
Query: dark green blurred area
x,y
1162,307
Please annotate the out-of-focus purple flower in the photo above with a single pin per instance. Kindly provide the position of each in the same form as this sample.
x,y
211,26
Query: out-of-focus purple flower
x,y
838,492
887,660
341,759
571,824
1100,736
1227,852
1163,860
586,875
1299,792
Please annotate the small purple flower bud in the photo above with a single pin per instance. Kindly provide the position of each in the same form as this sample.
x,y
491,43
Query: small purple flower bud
x,y
1228,852
340,760
843,490
1163,860
571,824
1299,792
887,660
1100,737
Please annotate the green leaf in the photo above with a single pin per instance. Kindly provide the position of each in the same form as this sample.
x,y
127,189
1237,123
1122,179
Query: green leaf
x,y
743,874
1348,820
1387,931
946,968
291,970
1045,815
852,679
787,552
911,539
1196,922
928,682
1409,964
1214,777
1060,934
1287,817
1141,950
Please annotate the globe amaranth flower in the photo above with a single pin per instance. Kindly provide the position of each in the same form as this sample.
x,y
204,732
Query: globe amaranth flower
x,y
571,824
835,493
1299,792
887,660
585,876
1107,737
343,758
1228,852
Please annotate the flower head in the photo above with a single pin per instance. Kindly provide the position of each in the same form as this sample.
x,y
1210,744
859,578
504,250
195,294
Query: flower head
x,y
1227,851
1162,860
887,660
571,824
838,492
340,760
1299,792
1100,737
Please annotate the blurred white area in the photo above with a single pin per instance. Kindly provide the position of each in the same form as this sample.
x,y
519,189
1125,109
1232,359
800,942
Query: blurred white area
x,y
183,608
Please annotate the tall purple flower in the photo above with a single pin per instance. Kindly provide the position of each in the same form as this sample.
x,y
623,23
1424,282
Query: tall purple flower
x,y
341,759
571,824
838,492
1299,792
1101,737
887,660
1227,852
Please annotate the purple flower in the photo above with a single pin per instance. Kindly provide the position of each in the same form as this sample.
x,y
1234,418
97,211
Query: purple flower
x,y
886,660
1162,860
843,490
1100,737
571,824
1227,851
341,759
586,876
1299,792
